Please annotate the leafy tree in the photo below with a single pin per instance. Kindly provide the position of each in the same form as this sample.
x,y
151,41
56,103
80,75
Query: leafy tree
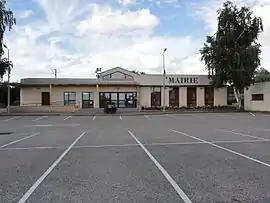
x,y
262,75
7,20
137,72
232,55
5,65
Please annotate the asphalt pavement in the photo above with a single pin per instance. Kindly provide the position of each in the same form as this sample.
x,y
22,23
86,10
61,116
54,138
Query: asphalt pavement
x,y
203,157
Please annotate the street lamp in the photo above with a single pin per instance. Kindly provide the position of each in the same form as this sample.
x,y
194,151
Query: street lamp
x,y
164,77
8,100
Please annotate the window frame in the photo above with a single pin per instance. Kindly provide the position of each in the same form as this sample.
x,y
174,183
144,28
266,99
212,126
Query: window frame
x,y
68,101
257,97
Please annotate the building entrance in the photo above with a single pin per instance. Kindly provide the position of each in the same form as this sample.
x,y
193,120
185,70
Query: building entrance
x,y
87,100
121,99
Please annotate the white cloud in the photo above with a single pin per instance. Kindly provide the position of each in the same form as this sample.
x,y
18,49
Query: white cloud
x,y
127,2
76,44
106,20
24,14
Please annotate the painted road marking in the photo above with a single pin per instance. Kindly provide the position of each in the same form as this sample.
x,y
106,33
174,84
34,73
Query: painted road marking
x,y
251,113
13,118
24,138
40,118
223,148
94,118
121,118
242,134
180,192
51,125
131,145
47,172
146,116
67,118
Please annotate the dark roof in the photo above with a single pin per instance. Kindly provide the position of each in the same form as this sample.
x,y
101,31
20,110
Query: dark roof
x,y
73,81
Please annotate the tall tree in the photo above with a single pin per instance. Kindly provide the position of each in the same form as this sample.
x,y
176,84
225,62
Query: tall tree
x,y
232,55
262,75
7,20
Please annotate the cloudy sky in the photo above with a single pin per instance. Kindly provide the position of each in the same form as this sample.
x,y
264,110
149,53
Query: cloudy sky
x,y
78,36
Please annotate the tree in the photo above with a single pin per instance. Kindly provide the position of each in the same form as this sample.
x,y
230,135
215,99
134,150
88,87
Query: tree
x,y
262,75
7,20
5,65
137,72
232,55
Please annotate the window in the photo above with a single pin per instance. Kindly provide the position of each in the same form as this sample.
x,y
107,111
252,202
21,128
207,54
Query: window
x,y
69,98
156,89
257,97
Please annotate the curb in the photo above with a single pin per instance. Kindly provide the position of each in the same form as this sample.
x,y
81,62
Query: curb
x,y
117,114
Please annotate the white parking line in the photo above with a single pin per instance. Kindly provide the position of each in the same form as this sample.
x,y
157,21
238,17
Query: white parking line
x,y
67,118
251,113
51,125
47,172
147,117
24,138
223,148
40,118
13,118
121,118
242,134
179,191
94,118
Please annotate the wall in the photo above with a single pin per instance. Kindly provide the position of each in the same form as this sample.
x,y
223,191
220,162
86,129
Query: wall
x,y
157,80
258,88
145,96
182,96
32,95
57,93
220,96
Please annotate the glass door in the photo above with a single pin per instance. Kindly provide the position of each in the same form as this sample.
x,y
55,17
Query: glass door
x,y
87,100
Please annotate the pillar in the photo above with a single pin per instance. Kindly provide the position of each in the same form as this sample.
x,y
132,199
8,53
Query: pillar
x,y
182,96
200,96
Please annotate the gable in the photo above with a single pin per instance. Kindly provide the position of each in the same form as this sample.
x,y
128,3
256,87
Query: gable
x,y
117,74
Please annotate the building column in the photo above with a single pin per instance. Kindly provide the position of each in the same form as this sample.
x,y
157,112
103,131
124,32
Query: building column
x,y
200,96
79,99
96,97
166,96
182,96
138,98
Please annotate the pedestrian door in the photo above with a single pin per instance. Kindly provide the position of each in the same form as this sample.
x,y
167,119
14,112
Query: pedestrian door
x,y
87,100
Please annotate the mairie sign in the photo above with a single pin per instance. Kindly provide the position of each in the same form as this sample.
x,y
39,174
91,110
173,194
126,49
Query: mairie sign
x,y
183,80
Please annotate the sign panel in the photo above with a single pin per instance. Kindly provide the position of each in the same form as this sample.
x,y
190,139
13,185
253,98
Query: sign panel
x,y
183,80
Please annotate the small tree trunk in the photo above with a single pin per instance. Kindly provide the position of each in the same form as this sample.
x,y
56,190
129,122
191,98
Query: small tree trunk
x,y
237,97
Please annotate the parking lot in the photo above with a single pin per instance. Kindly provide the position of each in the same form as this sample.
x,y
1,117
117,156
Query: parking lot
x,y
204,157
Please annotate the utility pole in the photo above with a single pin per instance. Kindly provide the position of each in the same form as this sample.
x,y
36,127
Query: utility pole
x,y
8,93
55,73
164,78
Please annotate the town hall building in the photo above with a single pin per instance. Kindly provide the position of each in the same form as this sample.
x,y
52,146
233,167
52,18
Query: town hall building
x,y
125,88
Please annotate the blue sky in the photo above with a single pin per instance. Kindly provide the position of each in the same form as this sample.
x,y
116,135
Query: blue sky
x,y
77,36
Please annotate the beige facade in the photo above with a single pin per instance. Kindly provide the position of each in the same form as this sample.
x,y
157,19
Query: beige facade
x,y
121,85
257,97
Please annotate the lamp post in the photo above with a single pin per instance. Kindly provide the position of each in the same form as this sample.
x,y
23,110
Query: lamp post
x,y
164,78
8,93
